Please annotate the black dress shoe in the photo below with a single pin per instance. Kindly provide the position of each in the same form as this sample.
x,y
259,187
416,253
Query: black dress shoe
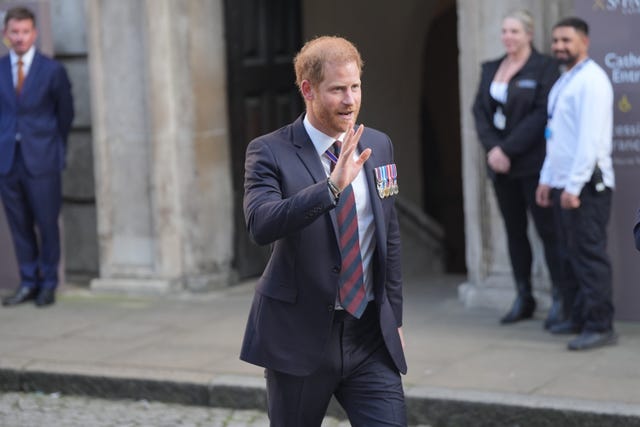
x,y
23,294
523,308
565,328
588,340
555,315
45,297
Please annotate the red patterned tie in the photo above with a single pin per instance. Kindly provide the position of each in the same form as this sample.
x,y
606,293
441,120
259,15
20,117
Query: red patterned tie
x,y
352,291
20,80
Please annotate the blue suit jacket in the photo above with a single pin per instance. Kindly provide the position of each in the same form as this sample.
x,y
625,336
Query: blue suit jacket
x,y
287,204
41,115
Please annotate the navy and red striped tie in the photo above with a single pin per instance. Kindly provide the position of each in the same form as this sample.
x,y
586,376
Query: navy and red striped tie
x,y
351,281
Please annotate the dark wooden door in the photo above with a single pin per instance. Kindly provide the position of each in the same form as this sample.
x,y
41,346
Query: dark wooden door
x,y
262,38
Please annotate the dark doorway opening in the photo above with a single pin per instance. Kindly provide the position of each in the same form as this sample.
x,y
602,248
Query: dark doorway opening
x,y
442,154
262,38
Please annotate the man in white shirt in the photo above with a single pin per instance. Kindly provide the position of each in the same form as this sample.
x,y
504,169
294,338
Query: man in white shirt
x,y
577,179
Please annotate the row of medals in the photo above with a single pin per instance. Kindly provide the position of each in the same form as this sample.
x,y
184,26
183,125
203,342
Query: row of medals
x,y
388,188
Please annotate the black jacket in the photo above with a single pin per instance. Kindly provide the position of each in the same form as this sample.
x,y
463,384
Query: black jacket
x,y
522,140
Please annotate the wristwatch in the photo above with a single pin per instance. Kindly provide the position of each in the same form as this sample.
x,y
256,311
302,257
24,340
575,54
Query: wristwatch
x,y
333,188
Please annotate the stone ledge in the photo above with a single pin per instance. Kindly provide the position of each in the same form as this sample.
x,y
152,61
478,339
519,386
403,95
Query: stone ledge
x,y
435,407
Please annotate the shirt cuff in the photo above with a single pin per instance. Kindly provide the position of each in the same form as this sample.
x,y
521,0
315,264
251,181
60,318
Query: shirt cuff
x,y
574,188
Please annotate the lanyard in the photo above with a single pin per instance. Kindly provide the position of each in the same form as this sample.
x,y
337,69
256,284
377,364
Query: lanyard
x,y
564,80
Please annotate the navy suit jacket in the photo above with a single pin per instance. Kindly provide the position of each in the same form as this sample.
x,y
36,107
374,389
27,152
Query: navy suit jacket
x,y
636,232
525,111
40,116
287,204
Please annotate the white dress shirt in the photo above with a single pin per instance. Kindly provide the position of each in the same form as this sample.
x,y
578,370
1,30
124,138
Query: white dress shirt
x,y
579,130
366,229
27,59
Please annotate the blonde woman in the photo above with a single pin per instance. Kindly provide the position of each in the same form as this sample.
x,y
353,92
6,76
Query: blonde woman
x,y
510,112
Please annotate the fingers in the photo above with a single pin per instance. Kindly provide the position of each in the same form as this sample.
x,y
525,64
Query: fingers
x,y
542,196
351,139
364,156
498,161
348,165
569,201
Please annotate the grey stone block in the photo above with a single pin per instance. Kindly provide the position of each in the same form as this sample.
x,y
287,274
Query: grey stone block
x,y
78,70
78,179
69,27
80,238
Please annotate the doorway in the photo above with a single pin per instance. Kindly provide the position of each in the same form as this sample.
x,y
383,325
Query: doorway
x,y
262,38
441,148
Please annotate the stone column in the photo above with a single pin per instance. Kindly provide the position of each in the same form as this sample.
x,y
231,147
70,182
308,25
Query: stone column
x,y
161,145
490,281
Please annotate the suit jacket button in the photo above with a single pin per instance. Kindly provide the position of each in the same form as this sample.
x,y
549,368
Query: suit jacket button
x,y
330,307
336,269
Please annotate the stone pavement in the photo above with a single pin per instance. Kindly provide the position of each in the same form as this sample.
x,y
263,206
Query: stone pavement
x,y
53,410
464,368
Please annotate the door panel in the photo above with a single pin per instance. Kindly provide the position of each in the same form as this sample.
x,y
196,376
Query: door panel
x,y
262,38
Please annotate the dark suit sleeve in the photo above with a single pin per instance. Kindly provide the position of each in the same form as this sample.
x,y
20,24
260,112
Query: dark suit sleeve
x,y
636,232
394,272
393,285
61,89
528,131
268,214
487,134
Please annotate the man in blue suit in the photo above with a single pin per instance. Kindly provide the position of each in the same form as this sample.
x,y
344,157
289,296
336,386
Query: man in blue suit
x,y
326,318
36,111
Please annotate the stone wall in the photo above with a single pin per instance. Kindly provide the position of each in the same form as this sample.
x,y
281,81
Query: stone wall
x,y
161,146
79,209
489,272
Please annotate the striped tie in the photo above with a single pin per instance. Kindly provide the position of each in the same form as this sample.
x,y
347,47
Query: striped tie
x,y
352,291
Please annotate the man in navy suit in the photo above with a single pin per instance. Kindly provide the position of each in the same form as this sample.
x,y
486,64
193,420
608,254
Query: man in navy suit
x,y
36,111
326,318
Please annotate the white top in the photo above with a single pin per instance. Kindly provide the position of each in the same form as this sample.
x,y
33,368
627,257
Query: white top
x,y
27,59
366,230
580,126
499,91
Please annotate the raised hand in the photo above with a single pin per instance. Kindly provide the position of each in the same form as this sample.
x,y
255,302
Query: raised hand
x,y
348,167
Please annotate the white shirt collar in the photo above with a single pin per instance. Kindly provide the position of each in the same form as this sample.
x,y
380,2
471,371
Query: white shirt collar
x,y
320,140
27,58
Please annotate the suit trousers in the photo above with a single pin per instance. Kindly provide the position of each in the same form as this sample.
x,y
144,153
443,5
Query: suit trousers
x,y
516,197
583,253
30,202
357,369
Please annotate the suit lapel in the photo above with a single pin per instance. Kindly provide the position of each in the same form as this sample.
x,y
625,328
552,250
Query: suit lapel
x,y
307,153
374,200
6,79
492,68
33,75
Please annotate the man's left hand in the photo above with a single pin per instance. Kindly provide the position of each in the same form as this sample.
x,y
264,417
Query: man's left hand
x,y
569,201
401,336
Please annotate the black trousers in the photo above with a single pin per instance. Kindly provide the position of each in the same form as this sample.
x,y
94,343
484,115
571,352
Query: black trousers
x,y
32,202
582,234
516,197
357,369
